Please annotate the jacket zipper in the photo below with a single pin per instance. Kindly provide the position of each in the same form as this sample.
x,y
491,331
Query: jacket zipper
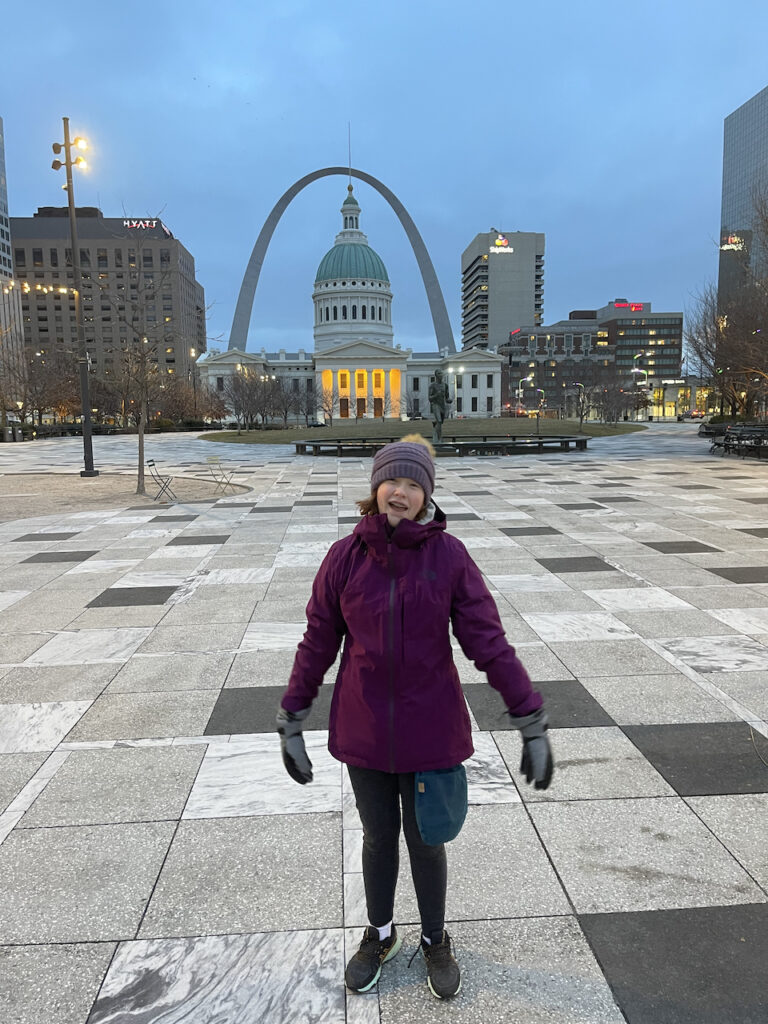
x,y
391,638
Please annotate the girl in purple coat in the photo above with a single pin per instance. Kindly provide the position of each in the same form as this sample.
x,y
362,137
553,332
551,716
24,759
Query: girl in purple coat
x,y
391,592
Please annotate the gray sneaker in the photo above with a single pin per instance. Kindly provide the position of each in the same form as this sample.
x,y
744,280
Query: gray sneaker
x,y
364,967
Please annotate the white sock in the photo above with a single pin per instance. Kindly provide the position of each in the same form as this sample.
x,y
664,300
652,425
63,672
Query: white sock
x,y
426,940
384,932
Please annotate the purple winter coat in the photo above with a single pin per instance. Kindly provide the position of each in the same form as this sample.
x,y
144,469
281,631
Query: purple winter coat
x,y
391,597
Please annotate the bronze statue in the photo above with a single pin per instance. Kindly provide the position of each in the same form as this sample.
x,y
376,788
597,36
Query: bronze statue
x,y
439,400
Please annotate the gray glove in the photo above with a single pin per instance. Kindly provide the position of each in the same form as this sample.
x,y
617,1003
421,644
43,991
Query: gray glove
x,y
295,759
536,763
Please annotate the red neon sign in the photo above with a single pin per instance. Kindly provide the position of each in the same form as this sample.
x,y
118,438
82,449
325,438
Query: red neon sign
x,y
634,307
516,331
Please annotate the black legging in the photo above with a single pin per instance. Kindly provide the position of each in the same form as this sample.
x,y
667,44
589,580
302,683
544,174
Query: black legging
x,y
378,796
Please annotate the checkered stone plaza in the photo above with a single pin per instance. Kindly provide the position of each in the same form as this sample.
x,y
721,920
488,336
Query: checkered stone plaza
x,y
158,864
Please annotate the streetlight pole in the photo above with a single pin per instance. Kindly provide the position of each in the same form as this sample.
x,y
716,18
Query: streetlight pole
x,y
578,384
539,391
82,354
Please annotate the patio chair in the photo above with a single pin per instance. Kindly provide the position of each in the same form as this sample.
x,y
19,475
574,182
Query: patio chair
x,y
221,475
163,482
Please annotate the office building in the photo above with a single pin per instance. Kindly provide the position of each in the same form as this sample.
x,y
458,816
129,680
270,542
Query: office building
x,y
138,281
593,346
745,176
12,365
502,286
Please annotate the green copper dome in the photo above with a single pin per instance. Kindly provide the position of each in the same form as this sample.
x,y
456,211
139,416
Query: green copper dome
x,y
351,261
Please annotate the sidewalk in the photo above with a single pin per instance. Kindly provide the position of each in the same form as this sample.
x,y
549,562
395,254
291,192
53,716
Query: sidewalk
x,y
157,864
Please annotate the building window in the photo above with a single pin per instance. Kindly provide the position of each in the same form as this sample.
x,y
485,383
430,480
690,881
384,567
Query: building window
x,y
360,381
343,312
327,314
363,310
54,257
118,257
379,312
415,384
165,257
37,257
373,312
489,404
489,380
354,312
309,385
459,380
20,257
85,257
101,259
459,405
219,383
474,405
343,380
378,380
474,385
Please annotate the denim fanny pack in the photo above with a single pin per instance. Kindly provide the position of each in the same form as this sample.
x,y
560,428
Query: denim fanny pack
x,y
441,803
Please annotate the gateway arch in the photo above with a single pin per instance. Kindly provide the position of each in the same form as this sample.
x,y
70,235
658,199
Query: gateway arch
x,y
239,334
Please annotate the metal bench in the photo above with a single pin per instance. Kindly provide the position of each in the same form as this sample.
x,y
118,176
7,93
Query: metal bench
x,y
162,482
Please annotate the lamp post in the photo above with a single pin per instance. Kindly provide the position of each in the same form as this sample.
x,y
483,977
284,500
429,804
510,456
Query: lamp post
x,y
578,384
539,391
520,387
82,355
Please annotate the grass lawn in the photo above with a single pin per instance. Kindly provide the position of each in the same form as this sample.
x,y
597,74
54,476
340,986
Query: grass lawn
x,y
500,427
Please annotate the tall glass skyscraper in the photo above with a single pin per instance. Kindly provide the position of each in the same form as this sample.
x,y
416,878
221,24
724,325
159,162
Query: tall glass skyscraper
x,y
745,174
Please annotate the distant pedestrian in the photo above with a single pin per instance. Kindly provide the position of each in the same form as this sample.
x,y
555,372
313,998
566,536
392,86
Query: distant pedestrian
x,y
391,592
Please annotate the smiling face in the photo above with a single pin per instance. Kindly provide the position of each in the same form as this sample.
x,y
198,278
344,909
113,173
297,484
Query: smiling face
x,y
401,498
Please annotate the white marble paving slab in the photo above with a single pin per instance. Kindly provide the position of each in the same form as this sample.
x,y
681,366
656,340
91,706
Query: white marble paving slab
x,y
578,626
501,541
746,620
237,979
527,582
9,597
247,777
30,727
488,778
188,551
636,599
717,653
271,636
154,532
168,578
89,646
102,565
236,577
296,554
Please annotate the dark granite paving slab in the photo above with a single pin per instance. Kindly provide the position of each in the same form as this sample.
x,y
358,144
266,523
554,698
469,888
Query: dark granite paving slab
x,y
453,516
694,487
235,504
760,531
615,498
737,574
752,501
299,504
470,494
574,506
173,519
588,563
701,966
247,709
679,547
702,759
568,704
200,538
38,538
60,556
124,597
272,508
528,531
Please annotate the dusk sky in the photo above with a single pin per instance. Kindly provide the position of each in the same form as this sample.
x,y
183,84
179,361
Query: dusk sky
x,y
597,123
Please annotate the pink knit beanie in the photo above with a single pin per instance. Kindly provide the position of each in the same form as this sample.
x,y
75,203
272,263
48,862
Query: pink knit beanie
x,y
406,459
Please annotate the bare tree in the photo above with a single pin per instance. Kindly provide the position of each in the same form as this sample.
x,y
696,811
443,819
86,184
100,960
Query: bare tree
x,y
211,404
236,396
329,403
306,403
285,397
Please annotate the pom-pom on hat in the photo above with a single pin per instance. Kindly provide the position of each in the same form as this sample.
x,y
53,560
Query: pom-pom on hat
x,y
411,457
